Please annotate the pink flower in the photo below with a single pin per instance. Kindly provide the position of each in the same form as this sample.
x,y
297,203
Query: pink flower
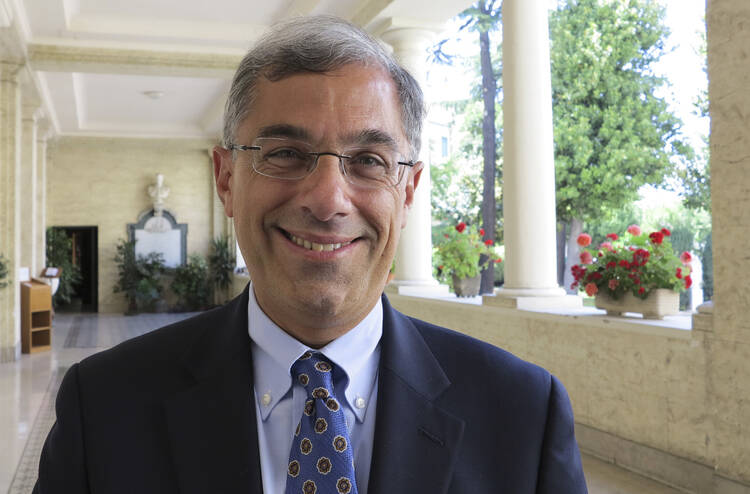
x,y
591,289
461,227
634,230
686,258
584,239
612,236
613,284
606,245
586,257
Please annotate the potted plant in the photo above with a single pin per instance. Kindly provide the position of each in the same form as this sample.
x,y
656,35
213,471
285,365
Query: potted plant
x,y
3,272
139,277
221,264
638,272
458,257
192,284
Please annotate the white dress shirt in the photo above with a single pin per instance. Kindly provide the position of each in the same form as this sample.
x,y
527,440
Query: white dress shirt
x,y
279,401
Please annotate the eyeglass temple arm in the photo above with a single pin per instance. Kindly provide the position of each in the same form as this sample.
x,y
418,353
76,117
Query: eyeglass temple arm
x,y
242,147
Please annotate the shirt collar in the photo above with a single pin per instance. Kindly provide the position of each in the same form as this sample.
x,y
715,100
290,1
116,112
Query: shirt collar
x,y
356,353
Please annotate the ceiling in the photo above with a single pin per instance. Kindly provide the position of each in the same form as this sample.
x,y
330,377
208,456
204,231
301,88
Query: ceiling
x,y
162,68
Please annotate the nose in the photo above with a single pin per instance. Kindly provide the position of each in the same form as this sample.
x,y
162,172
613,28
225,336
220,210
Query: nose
x,y
325,193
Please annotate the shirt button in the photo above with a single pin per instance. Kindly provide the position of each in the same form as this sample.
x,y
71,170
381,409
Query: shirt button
x,y
266,399
359,402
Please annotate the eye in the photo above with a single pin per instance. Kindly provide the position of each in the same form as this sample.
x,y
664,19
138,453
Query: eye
x,y
285,154
368,160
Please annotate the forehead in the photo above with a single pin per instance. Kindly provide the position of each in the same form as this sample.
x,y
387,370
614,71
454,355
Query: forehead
x,y
330,106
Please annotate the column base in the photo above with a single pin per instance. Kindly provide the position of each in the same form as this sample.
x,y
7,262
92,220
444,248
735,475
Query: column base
x,y
429,288
532,299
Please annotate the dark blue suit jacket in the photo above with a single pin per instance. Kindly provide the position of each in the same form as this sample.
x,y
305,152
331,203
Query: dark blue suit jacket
x,y
173,411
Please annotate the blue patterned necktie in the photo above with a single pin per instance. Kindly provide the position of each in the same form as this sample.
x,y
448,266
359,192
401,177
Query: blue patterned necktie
x,y
321,460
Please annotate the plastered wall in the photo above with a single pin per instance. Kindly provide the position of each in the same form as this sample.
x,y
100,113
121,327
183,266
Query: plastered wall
x,y
103,182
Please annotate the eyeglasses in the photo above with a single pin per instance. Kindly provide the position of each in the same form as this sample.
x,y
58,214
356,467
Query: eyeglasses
x,y
288,159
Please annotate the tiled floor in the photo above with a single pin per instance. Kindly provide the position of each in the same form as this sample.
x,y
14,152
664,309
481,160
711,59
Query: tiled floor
x,y
27,401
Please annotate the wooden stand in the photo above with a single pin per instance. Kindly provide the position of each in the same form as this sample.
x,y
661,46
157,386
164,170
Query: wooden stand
x,y
36,317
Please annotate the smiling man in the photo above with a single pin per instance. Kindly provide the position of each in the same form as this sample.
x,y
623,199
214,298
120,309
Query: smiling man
x,y
309,382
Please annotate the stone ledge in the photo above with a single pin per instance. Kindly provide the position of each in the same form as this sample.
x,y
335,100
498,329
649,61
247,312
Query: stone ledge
x,y
680,473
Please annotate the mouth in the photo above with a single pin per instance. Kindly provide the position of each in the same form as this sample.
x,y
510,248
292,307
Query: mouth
x,y
315,246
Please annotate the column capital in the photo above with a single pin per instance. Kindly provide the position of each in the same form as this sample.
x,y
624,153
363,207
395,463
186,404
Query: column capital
x,y
405,33
9,71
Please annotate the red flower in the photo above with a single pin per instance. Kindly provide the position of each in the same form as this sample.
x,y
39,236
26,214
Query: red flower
x,y
634,230
657,237
584,239
591,289
441,267
679,273
624,263
488,242
640,257
688,281
578,271
613,284
666,232
612,236
641,290
586,257
481,232
498,260
446,235
461,227
612,264
605,245
686,258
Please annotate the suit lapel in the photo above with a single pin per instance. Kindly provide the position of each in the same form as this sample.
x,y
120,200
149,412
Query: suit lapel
x,y
416,441
212,425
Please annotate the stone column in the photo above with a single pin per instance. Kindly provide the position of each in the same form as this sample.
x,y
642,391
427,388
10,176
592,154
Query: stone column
x,y
10,169
414,254
28,182
44,131
528,166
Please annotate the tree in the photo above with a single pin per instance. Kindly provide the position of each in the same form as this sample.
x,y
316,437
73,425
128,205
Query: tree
x,y
484,17
612,133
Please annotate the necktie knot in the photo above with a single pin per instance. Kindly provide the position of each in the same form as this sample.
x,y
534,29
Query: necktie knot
x,y
315,373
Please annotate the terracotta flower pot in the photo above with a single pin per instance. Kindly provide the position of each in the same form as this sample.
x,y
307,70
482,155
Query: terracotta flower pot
x,y
467,287
659,303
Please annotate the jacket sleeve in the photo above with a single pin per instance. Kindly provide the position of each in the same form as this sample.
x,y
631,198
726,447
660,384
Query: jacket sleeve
x,y
560,468
62,467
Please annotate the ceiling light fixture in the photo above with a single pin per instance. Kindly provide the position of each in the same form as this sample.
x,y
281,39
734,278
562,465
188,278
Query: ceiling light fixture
x,y
153,94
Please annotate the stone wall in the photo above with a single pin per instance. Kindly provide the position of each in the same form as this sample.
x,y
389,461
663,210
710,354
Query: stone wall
x,y
102,182
729,349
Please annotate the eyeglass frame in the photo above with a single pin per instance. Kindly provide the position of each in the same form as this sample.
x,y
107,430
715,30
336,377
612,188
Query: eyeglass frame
x,y
317,155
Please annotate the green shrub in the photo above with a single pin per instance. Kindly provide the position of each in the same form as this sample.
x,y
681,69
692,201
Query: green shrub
x,y
60,255
221,263
192,284
139,277
4,281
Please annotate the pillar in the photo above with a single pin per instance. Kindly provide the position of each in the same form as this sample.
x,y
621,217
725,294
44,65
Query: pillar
x,y
414,254
29,187
44,134
10,168
528,165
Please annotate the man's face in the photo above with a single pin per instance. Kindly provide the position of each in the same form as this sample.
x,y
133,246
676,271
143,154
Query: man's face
x,y
312,294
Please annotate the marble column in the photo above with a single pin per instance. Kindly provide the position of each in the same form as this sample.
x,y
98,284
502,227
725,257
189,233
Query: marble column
x,y
29,187
44,134
414,254
528,166
10,169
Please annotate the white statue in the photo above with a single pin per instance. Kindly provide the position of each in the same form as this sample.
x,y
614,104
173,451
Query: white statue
x,y
158,192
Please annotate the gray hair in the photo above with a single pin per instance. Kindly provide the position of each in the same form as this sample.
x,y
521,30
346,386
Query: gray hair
x,y
318,44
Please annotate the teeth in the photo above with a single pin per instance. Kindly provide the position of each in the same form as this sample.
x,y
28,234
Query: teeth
x,y
316,247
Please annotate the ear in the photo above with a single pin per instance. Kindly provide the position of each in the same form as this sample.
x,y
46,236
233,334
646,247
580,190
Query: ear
x,y
223,171
411,186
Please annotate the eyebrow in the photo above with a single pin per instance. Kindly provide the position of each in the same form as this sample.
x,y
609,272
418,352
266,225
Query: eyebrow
x,y
284,130
372,136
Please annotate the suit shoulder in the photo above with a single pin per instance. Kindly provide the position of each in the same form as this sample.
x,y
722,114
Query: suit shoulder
x,y
161,345
467,355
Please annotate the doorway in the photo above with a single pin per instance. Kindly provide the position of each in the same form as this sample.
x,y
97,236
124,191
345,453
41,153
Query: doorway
x,y
85,255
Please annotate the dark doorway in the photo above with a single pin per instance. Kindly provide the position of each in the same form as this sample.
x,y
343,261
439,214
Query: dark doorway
x,y
86,257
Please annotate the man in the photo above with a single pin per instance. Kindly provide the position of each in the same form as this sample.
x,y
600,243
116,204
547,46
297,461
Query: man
x,y
309,381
